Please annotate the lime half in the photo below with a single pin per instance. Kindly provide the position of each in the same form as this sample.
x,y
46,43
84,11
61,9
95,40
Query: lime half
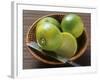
x,y
68,47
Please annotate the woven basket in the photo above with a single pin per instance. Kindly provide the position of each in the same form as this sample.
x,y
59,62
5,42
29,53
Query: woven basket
x,y
82,42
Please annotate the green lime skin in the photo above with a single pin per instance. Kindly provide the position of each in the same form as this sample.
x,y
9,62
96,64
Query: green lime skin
x,y
73,24
50,20
68,47
48,36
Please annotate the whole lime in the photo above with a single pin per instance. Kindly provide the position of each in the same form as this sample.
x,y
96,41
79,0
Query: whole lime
x,y
50,20
48,36
68,47
73,24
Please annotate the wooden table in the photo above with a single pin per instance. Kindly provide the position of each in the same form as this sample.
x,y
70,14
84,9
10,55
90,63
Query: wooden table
x,y
30,62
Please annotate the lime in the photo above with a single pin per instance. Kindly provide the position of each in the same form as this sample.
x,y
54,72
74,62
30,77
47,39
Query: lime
x,y
68,47
50,20
73,24
48,36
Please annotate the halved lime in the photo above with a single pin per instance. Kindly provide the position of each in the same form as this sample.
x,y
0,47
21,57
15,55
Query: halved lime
x,y
68,47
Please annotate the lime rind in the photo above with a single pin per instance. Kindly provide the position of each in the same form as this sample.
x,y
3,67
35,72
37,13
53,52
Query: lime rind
x,y
48,36
73,24
50,20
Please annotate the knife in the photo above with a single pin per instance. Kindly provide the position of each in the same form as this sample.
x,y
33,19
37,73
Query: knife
x,y
64,60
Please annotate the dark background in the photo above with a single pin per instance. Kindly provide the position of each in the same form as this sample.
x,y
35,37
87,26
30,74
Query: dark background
x,y
30,62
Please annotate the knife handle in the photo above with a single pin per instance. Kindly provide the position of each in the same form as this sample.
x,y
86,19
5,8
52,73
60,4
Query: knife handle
x,y
72,63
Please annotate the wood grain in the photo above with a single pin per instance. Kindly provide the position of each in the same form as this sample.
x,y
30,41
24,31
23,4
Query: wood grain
x,y
30,62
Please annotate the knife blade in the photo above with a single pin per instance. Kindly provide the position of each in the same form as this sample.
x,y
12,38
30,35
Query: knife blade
x,y
64,60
